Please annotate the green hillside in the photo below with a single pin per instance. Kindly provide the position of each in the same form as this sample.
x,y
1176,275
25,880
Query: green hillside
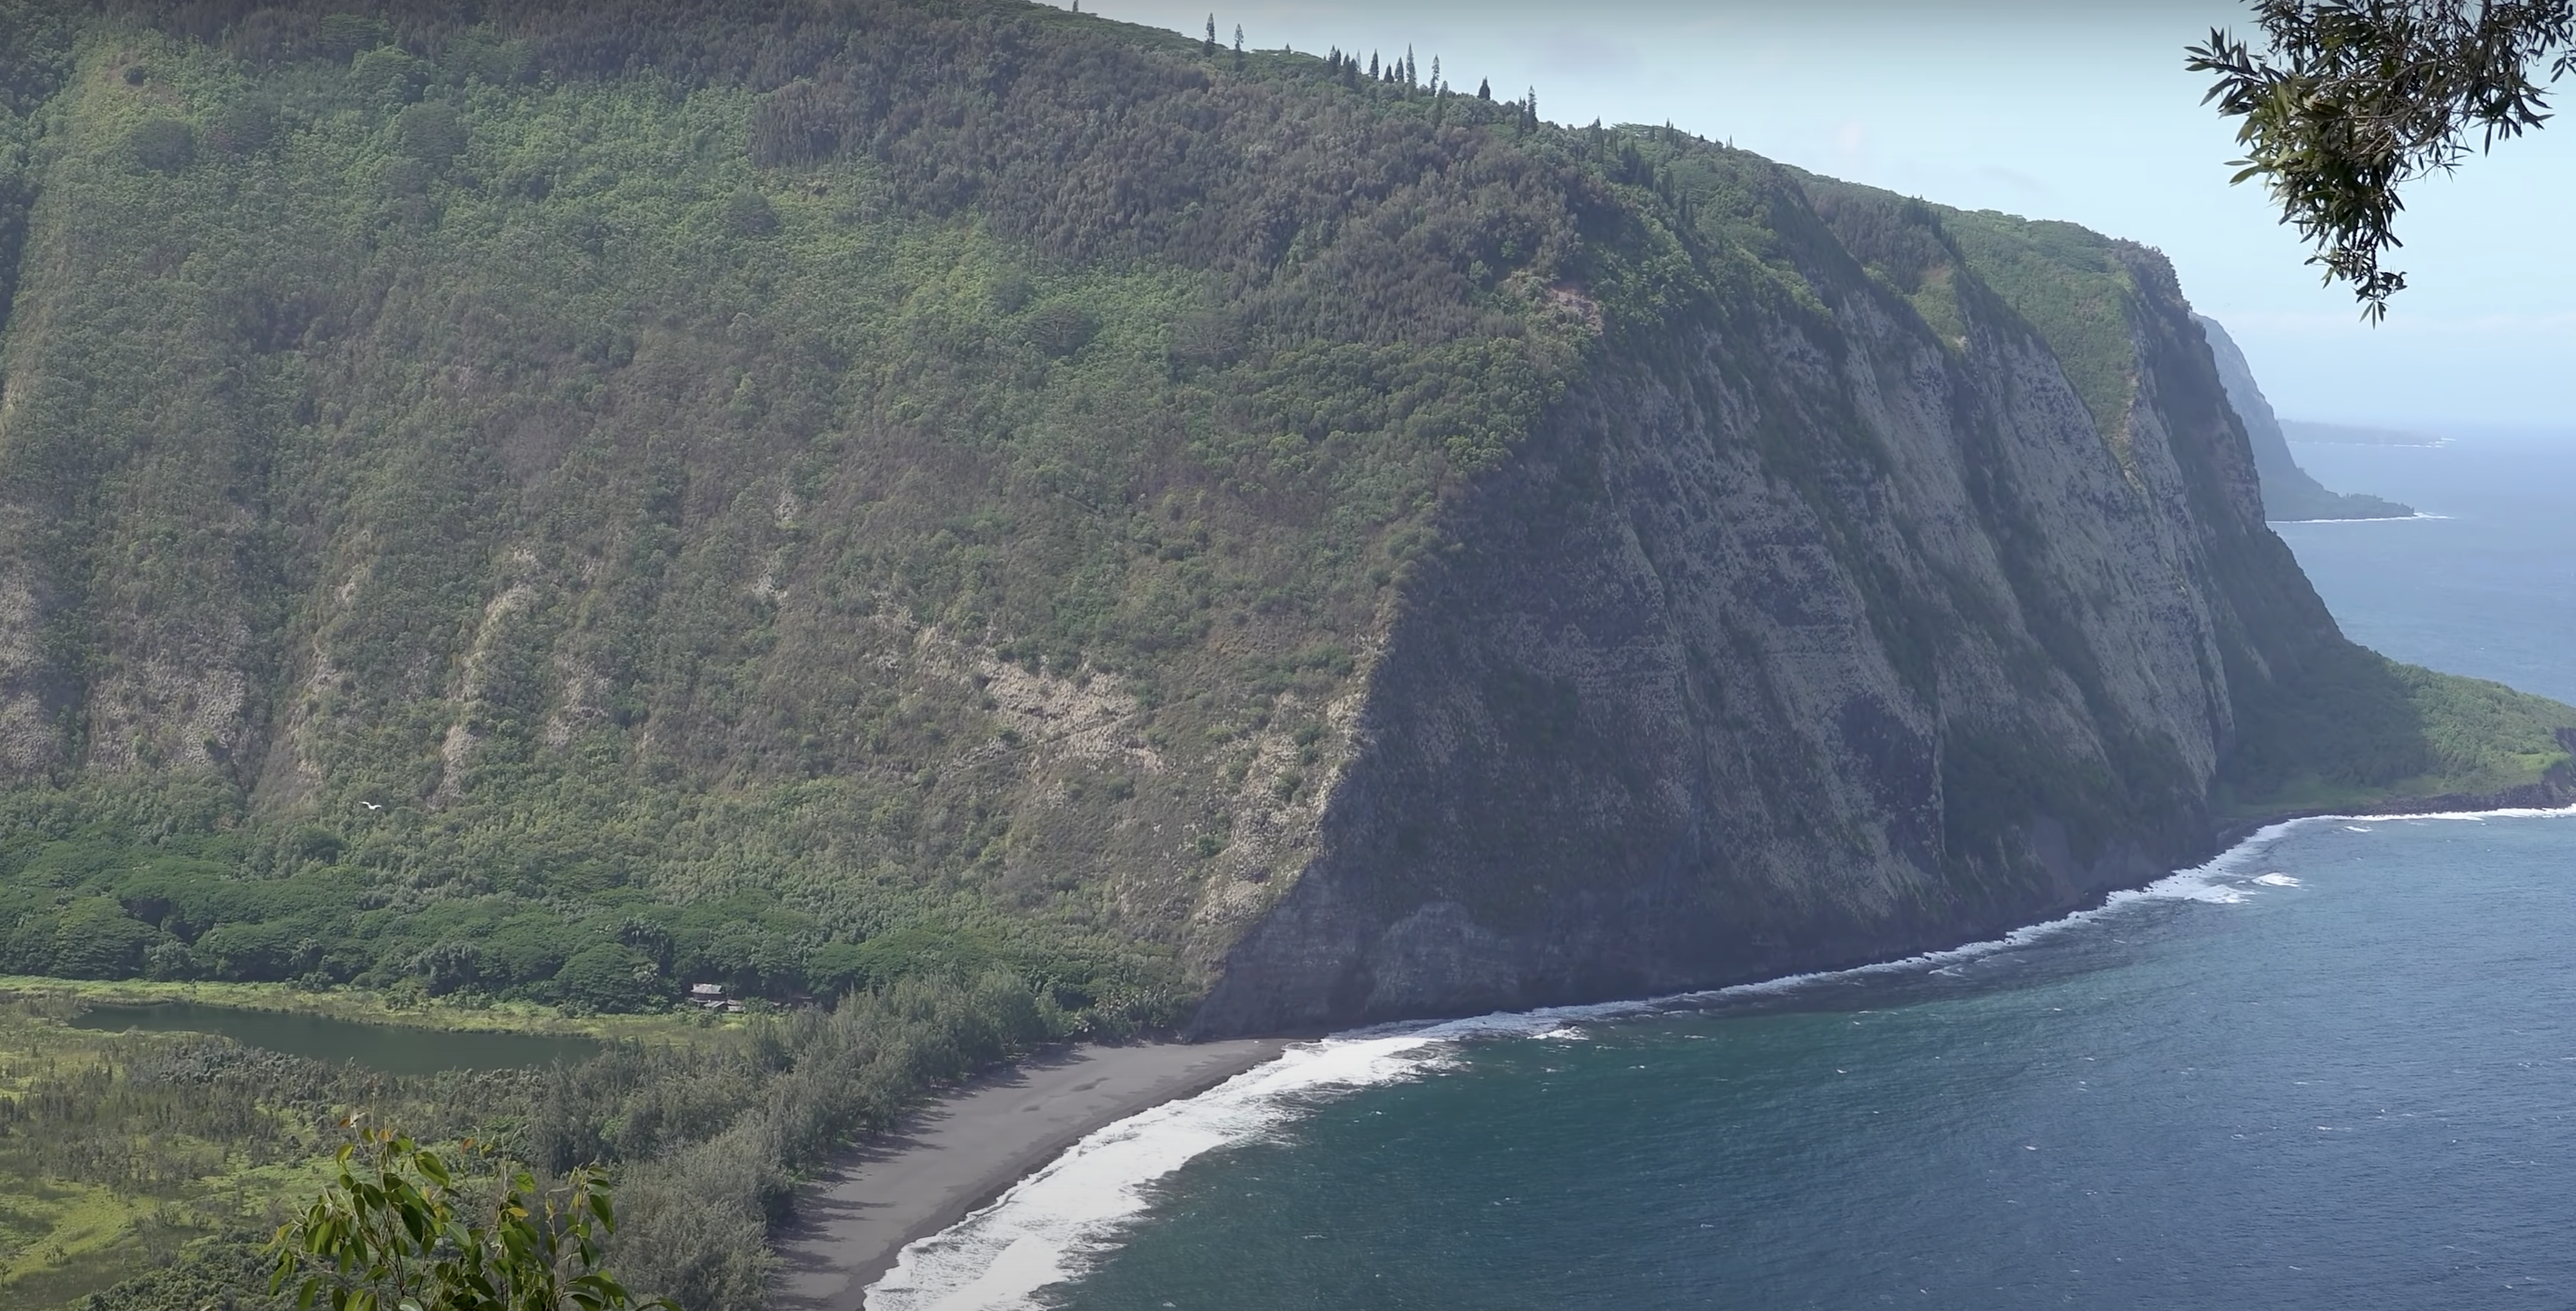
x,y
568,505
532,519
904,506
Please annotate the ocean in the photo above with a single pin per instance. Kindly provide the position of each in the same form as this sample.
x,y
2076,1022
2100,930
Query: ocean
x,y
2335,1068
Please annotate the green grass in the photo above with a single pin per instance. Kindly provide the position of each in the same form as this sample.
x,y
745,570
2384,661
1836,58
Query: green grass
x,y
356,1005
119,1152
150,1161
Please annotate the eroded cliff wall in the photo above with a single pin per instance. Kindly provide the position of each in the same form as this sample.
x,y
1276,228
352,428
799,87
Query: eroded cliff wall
x,y
1798,637
569,501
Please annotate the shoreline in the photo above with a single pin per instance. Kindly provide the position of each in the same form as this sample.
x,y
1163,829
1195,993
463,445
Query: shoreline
x,y
962,1152
2550,793
957,1154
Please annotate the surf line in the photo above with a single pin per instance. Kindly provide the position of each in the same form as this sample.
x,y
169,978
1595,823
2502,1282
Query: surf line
x,y
1053,1225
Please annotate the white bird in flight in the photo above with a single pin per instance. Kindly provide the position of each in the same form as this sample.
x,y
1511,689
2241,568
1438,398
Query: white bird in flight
x,y
371,805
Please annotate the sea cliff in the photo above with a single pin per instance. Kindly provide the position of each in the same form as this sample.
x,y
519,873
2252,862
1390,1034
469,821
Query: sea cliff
x,y
575,502
1801,635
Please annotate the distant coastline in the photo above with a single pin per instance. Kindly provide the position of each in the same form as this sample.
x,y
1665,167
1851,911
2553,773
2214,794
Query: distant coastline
x,y
2364,518
2345,434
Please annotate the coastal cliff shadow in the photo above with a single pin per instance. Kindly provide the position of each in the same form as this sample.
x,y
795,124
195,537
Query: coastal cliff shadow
x,y
2350,719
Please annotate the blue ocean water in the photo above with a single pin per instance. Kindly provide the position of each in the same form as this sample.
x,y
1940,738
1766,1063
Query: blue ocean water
x,y
2335,1069
2487,588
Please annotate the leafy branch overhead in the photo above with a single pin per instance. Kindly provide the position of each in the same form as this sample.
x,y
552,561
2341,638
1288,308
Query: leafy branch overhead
x,y
398,1230
2353,99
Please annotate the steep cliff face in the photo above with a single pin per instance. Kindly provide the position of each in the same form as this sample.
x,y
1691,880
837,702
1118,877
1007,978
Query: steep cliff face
x,y
1797,637
2289,492
577,500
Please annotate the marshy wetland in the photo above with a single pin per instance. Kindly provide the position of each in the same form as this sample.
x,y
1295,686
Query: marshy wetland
x,y
134,1121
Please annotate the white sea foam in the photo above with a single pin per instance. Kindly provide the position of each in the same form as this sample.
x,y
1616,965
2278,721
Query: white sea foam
x,y
1045,1229
1051,1226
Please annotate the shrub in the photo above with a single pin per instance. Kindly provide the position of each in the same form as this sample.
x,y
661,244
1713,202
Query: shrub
x,y
749,214
1060,328
96,939
609,976
338,37
431,133
254,952
163,145
448,967
244,127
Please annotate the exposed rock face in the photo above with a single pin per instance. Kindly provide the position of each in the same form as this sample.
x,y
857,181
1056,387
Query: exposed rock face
x,y
1796,642
2289,492
971,484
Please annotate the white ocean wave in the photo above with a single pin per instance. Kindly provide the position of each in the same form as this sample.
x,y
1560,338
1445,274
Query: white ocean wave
x,y
1051,1226
1046,1228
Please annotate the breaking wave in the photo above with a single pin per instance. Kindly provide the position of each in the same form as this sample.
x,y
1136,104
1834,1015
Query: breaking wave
x,y
1054,1224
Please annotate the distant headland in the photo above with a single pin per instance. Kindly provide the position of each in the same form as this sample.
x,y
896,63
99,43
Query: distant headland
x,y
2289,493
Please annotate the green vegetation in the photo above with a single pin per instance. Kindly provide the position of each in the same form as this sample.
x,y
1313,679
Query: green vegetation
x,y
174,1155
640,530
463,1013
2071,287
503,521
126,1152
399,1227
2361,730
2350,103
103,906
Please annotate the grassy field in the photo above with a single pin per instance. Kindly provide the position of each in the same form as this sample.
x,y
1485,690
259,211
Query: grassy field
x,y
359,1005
144,1168
120,1150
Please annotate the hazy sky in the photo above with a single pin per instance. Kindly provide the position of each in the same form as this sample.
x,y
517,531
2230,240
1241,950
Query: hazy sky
x,y
2077,109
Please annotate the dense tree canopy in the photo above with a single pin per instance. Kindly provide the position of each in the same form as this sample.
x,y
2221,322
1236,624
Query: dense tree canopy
x,y
2352,99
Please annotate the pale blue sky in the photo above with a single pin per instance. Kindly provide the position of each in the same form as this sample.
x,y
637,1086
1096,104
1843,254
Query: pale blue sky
x,y
2077,109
